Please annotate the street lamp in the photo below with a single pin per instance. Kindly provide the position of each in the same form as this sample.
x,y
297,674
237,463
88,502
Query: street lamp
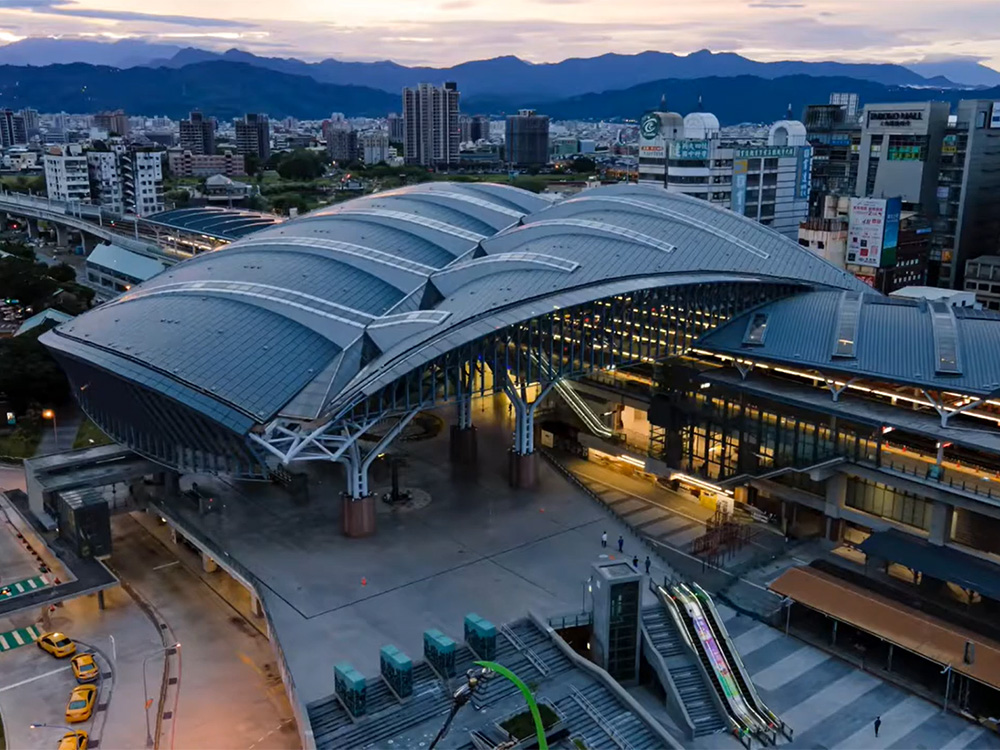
x,y
145,691
51,414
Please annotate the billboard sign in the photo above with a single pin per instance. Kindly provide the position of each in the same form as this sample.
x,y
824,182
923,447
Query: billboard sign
x,y
894,118
866,230
689,150
764,152
995,115
738,203
805,172
649,126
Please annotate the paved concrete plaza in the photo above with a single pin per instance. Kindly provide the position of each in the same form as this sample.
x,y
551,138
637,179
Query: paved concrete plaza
x,y
831,704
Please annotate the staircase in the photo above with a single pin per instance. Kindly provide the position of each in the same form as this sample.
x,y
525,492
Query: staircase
x,y
670,655
602,722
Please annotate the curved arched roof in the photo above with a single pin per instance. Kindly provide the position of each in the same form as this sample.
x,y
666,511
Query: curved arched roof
x,y
299,318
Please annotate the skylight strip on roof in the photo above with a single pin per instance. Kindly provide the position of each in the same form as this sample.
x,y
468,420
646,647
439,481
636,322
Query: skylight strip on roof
x,y
613,229
848,318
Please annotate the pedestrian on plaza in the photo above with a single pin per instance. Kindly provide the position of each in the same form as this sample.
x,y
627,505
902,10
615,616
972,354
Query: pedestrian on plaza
x,y
604,539
621,543
878,723
635,562
647,564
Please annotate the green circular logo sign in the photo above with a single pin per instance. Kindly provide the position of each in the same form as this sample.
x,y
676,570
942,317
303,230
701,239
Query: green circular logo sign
x,y
649,126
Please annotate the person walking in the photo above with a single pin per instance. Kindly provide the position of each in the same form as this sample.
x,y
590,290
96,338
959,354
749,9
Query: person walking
x,y
621,543
635,562
647,564
604,539
878,723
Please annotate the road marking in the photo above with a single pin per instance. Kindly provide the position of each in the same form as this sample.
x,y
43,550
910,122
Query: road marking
x,y
18,638
32,679
167,565
3,642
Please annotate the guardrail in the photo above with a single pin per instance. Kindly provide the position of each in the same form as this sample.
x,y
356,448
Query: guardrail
x,y
599,719
522,647
561,622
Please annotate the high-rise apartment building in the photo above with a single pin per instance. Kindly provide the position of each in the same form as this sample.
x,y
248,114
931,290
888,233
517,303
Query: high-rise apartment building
x,y
374,147
185,164
12,129
527,139
197,134
32,122
112,122
397,128
341,139
106,183
430,114
848,102
66,177
479,128
253,136
142,181
835,137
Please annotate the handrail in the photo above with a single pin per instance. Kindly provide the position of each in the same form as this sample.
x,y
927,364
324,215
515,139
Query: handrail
x,y
660,665
738,661
521,646
599,719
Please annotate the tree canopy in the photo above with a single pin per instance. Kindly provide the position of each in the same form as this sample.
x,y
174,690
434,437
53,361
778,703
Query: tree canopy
x,y
301,164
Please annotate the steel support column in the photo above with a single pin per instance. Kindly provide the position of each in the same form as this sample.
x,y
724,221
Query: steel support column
x,y
522,454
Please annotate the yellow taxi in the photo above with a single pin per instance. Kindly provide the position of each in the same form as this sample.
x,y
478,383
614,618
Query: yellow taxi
x,y
84,668
81,703
74,741
56,644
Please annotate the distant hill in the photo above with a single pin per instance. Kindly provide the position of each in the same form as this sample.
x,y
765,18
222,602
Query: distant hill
x,y
506,76
229,89
965,72
222,89
732,100
125,53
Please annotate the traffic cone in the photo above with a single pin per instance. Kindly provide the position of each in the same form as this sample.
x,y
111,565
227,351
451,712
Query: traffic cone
x,y
364,581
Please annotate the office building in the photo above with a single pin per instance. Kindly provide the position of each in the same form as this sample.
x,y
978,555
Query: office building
x,y
12,129
848,102
113,123
527,139
106,182
397,128
253,136
967,210
374,147
835,137
826,238
66,177
767,180
465,128
197,134
186,164
142,182
430,114
982,277
900,152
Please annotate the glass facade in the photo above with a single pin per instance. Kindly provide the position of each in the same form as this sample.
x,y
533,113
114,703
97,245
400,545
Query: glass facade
x,y
623,632
886,502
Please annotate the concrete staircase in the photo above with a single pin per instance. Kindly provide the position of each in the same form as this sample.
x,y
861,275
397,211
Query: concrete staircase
x,y
678,673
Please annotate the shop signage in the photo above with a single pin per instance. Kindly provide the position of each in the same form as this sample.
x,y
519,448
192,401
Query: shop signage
x,y
764,152
896,118
690,150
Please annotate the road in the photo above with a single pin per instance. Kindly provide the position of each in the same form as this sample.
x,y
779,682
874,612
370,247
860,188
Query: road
x,y
230,696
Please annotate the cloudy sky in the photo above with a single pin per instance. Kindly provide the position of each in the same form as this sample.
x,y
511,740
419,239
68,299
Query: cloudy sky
x,y
443,32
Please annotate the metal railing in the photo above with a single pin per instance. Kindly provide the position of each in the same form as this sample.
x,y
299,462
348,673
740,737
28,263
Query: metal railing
x,y
599,719
535,659
562,622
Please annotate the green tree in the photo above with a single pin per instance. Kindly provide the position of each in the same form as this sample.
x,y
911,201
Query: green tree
x,y
583,164
17,248
28,374
251,164
302,165
25,281
62,272
179,196
286,201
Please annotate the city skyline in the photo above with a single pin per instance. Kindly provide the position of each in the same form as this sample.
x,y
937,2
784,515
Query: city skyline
x,y
443,33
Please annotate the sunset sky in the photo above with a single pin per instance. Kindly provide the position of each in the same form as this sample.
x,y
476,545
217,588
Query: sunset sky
x,y
442,32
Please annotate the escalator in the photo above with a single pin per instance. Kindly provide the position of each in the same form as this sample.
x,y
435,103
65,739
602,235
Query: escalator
x,y
739,704
584,412
736,663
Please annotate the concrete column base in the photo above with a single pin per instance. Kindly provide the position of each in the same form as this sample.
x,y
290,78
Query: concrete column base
x,y
358,516
464,446
522,470
208,564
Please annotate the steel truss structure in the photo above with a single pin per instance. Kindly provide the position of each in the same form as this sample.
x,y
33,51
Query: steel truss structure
x,y
615,332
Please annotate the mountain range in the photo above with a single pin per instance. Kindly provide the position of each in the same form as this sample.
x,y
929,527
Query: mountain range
x,y
229,89
146,78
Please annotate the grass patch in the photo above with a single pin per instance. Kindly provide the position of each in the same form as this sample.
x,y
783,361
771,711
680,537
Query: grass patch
x,y
21,442
90,435
522,725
